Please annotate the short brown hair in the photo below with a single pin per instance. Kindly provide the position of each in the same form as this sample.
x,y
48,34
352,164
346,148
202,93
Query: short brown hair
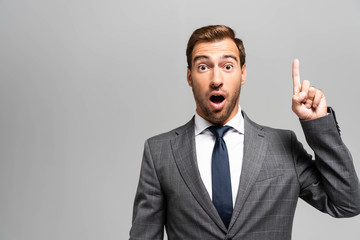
x,y
214,33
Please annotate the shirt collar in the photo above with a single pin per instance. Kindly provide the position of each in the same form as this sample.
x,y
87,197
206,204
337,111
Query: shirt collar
x,y
237,123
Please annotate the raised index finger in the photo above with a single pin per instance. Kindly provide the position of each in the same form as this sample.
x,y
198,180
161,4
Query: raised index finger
x,y
296,76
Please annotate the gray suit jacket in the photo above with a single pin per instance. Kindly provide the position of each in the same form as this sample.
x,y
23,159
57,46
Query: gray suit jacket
x,y
276,171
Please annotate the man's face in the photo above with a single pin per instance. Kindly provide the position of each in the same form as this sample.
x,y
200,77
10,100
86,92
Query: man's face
x,y
216,78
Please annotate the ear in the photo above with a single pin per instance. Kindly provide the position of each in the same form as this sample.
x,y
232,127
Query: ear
x,y
243,74
188,76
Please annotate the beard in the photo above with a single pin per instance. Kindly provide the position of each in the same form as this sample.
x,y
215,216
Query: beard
x,y
218,117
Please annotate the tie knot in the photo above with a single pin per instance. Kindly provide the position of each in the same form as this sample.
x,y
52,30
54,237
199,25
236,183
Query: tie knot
x,y
219,131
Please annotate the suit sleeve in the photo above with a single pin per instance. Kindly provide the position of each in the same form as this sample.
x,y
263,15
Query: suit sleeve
x,y
329,183
149,205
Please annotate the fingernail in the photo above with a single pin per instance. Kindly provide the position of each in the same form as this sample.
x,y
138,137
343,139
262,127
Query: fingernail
x,y
315,105
308,105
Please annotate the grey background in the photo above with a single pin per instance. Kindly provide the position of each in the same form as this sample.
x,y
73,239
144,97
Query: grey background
x,y
84,83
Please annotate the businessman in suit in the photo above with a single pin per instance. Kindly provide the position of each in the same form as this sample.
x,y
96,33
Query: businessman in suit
x,y
222,176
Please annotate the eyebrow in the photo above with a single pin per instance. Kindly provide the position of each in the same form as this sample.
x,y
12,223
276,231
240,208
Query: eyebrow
x,y
197,58
229,56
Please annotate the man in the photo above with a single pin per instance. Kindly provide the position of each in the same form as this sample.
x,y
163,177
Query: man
x,y
222,176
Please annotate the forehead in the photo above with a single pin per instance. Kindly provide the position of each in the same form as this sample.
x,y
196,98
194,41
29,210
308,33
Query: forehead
x,y
216,49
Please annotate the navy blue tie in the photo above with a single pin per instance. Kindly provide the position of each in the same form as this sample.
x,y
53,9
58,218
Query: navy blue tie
x,y
220,170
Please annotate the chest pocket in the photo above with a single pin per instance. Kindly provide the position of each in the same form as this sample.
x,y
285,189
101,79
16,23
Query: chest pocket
x,y
268,174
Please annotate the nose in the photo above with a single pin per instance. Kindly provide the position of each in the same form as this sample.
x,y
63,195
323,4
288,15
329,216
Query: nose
x,y
217,78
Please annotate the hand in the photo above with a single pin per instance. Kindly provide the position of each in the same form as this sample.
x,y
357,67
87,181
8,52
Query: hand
x,y
307,102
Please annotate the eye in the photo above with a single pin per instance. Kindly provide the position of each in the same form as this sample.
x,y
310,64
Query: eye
x,y
228,67
202,67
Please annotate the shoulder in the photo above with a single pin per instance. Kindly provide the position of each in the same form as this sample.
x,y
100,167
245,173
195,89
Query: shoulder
x,y
187,128
271,132
279,142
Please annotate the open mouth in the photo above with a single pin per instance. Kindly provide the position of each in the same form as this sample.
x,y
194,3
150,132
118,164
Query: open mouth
x,y
217,99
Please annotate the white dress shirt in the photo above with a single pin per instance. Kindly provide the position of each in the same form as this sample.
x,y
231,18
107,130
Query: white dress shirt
x,y
205,141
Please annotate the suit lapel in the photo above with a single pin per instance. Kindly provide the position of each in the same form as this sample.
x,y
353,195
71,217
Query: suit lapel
x,y
255,147
183,147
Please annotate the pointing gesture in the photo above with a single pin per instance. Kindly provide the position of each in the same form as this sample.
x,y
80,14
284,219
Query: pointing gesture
x,y
307,102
